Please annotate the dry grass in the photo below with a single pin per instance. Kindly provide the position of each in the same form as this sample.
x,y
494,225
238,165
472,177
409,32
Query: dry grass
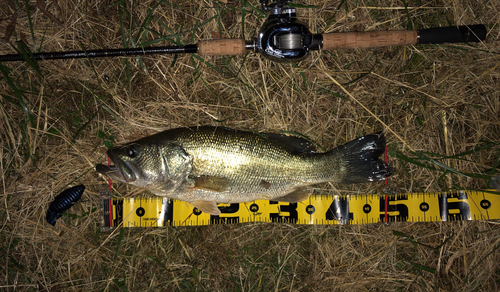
x,y
441,99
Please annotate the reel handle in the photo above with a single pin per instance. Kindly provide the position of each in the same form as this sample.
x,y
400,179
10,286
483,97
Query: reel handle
x,y
438,35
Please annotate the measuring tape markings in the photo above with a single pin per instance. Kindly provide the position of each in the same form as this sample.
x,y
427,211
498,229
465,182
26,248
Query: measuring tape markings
x,y
318,209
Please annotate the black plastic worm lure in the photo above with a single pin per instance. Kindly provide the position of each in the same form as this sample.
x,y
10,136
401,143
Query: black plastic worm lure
x,y
63,202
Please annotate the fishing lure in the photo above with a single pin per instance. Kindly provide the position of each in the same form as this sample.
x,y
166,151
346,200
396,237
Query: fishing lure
x,y
63,202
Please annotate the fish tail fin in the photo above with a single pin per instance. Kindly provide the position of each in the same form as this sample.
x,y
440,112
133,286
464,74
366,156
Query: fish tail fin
x,y
360,158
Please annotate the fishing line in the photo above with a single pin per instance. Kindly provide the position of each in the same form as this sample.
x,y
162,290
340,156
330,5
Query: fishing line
x,y
385,159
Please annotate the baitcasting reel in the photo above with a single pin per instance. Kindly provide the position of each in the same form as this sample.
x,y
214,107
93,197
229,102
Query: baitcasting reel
x,y
282,37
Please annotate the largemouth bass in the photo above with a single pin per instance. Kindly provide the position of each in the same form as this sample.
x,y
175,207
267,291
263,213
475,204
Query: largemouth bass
x,y
209,165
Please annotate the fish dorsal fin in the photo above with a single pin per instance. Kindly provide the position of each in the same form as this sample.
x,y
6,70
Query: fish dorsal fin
x,y
209,207
293,143
210,183
297,195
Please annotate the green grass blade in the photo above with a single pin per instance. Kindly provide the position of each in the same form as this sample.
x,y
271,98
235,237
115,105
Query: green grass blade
x,y
304,79
243,14
439,164
113,114
118,243
6,71
362,75
146,23
324,90
28,56
80,129
411,239
302,6
485,146
466,280
30,22
409,24
332,18
423,268
399,155
259,11
209,89
120,284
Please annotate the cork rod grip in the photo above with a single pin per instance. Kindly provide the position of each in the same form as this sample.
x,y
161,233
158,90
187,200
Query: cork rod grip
x,y
222,47
372,39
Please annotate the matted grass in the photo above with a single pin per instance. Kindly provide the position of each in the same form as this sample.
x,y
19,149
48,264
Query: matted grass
x,y
438,104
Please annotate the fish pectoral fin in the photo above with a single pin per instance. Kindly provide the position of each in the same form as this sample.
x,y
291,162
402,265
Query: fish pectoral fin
x,y
209,207
210,183
297,195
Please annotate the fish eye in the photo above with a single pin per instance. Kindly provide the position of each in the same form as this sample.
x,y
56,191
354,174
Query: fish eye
x,y
130,152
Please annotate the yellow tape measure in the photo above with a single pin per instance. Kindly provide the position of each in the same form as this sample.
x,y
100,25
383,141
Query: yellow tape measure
x,y
318,209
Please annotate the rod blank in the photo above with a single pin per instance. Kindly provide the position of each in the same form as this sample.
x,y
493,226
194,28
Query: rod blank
x,y
104,53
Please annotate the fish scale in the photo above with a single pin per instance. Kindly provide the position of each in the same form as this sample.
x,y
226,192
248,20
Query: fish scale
x,y
246,160
209,165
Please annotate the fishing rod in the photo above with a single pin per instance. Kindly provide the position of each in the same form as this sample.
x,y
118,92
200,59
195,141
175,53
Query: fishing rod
x,y
283,38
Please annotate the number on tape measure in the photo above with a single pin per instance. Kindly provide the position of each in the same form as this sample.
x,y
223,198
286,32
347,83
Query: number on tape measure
x,y
318,209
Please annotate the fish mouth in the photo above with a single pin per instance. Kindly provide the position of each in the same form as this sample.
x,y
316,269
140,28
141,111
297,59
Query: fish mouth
x,y
120,170
105,169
